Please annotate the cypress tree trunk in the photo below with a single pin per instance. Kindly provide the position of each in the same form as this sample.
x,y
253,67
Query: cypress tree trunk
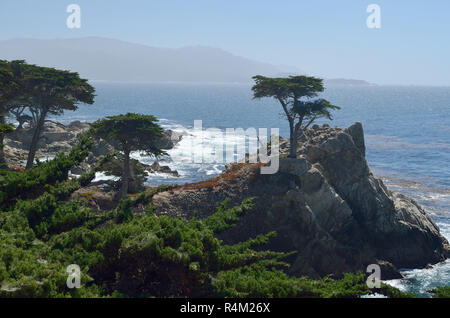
x,y
2,138
35,140
292,141
125,174
21,122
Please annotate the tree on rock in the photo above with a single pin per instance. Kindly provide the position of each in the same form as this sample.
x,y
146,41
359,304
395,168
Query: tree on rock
x,y
133,132
298,98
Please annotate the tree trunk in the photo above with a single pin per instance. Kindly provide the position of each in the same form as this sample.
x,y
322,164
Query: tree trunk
x,y
2,146
125,174
20,126
2,152
292,141
35,140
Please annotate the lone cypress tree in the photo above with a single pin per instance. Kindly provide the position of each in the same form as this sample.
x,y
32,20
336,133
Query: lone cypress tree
x,y
133,132
297,96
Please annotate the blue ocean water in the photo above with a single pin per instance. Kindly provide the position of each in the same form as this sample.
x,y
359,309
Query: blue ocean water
x,y
407,133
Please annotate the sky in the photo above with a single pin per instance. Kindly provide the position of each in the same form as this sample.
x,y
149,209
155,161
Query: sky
x,y
325,38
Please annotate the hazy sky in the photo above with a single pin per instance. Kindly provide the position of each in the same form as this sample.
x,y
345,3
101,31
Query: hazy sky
x,y
321,37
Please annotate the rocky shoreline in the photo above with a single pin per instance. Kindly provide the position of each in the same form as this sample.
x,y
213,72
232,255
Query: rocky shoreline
x,y
325,204
101,194
57,137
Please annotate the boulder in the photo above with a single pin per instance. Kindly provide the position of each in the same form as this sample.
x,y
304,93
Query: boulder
x,y
78,126
101,148
357,133
156,167
96,198
170,139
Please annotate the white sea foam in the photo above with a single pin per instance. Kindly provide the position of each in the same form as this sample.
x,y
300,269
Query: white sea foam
x,y
162,175
101,176
375,295
199,154
45,157
421,281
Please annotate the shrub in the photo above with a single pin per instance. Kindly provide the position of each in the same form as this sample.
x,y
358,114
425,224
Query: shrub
x,y
441,292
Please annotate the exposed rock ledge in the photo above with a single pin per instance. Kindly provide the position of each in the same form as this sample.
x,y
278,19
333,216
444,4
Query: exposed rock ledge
x,y
326,204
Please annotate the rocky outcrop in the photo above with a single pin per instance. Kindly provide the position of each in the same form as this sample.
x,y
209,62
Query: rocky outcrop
x,y
325,204
97,198
170,139
57,137
156,167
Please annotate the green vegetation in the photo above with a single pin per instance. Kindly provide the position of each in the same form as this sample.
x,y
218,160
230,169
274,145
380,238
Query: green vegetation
x,y
297,96
441,292
16,186
132,132
126,254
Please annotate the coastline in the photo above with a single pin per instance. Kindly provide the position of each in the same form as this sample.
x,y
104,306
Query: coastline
x,y
401,185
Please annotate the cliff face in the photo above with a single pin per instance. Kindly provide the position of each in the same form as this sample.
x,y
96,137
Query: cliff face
x,y
326,205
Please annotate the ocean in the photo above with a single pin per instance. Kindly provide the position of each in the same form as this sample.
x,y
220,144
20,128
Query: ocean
x,y
407,134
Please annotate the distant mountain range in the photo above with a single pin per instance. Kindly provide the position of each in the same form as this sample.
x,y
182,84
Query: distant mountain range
x,y
113,60
99,58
